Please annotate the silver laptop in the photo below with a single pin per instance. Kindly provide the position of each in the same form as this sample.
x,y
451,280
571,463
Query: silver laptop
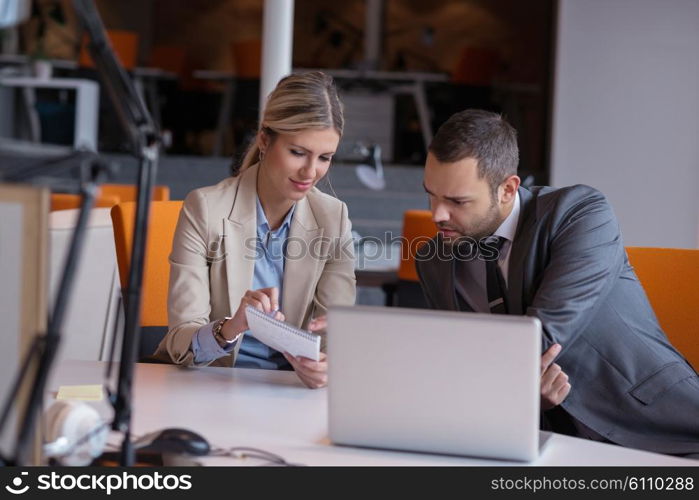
x,y
434,381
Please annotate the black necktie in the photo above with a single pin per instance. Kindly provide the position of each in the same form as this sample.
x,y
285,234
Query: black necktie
x,y
489,250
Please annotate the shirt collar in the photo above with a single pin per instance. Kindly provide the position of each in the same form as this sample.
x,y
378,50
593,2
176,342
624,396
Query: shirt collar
x,y
509,226
262,223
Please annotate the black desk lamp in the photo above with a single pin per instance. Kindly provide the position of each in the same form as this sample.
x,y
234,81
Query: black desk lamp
x,y
144,141
39,357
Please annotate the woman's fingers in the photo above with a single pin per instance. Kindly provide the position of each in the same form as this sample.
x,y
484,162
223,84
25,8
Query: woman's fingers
x,y
262,298
314,374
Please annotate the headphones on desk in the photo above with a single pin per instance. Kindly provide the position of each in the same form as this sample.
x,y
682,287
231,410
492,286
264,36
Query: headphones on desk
x,y
75,433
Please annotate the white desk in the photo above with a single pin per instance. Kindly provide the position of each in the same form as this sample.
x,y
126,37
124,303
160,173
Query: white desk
x,y
23,60
271,410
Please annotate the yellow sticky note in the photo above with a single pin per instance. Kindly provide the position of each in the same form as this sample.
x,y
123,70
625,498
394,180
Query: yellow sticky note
x,y
81,392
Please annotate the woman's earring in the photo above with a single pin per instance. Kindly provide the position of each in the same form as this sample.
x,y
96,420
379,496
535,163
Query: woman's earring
x,y
262,156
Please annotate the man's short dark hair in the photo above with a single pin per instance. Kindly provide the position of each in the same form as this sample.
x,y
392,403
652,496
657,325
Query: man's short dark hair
x,y
482,135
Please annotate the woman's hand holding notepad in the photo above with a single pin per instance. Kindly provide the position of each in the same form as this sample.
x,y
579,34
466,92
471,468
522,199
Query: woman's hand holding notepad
x,y
282,336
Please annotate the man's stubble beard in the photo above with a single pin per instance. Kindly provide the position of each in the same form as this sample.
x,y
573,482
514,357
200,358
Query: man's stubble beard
x,y
486,227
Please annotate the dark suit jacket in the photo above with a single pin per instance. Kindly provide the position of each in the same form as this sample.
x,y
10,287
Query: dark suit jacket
x,y
568,267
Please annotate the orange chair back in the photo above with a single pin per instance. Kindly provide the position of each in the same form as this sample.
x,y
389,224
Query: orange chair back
x,y
64,201
247,57
124,43
107,196
156,272
476,66
418,228
172,58
670,278
127,192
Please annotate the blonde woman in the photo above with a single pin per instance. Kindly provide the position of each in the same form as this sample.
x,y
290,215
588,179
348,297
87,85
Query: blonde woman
x,y
266,237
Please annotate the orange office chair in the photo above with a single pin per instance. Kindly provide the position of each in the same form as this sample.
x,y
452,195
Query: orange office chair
x,y
65,201
156,272
669,277
124,43
476,66
246,55
127,192
418,228
107,196
172,58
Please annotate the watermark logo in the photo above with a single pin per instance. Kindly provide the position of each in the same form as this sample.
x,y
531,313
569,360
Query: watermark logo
x,y
16,488
364,251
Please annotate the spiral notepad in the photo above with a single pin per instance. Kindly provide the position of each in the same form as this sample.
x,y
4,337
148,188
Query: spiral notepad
x,y
282,336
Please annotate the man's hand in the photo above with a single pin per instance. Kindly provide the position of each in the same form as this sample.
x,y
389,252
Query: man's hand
x,y
554,382
318,324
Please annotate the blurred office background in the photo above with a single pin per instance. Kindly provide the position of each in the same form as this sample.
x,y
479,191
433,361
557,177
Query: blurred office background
x,y
603,92
198,65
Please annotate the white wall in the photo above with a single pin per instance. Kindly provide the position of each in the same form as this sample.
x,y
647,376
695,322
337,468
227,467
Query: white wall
x,y
626,112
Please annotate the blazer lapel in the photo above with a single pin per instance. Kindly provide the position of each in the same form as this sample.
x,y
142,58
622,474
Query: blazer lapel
x,y
520,247
239,238
302,263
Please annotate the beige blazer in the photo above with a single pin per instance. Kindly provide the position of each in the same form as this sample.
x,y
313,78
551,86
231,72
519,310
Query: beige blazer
x,y
213,260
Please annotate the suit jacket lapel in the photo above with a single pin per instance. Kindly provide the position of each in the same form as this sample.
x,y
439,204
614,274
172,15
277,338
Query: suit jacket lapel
x,y
239,238
302,262
520,247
